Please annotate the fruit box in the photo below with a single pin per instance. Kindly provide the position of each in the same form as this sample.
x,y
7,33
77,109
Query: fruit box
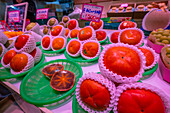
x,y
156,47
165,72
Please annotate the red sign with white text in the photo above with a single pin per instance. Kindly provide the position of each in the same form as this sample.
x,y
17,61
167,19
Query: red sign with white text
x,y
42,13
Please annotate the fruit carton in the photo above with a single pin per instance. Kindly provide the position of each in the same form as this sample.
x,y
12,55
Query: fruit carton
x,y
156,47
164,71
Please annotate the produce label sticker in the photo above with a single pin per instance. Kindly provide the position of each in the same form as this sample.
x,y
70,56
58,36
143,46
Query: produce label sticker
x,y
91,12
14,16
42,13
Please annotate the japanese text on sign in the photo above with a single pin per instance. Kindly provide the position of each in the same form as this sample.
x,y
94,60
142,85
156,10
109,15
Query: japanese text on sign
x,y
91,12
42,13
14,16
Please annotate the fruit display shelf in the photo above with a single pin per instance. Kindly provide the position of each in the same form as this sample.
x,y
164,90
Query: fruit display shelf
x,y
155,80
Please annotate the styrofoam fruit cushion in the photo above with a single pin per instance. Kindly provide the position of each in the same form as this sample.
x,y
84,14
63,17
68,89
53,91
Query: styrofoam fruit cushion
x,y
114,76
38,55
137,44
145,86
101,80
3,37
29,46
78,52
29,65
49,47
35,35
65,42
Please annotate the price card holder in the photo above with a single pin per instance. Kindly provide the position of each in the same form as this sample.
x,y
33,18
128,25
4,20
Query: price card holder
x,y
91,12
15,16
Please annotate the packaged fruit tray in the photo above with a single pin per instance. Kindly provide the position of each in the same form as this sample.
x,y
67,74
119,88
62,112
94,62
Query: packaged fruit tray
x,y
80,60
36,89
6,74
51,53
148,73
76,108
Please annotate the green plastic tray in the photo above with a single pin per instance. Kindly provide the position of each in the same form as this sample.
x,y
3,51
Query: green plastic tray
x,y
51,53
6,74
38,43
68,39
148,73
80,60
35,87
104,41
76,108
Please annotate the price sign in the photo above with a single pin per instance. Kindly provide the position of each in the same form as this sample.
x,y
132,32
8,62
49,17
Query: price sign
x,y
42,13
14,16
91,12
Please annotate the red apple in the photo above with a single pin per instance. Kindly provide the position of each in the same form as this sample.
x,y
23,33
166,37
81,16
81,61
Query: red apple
x,y
114,37
8,56
123,61
100,35
21,41
127,24
94,94
33,52
140,101
46,42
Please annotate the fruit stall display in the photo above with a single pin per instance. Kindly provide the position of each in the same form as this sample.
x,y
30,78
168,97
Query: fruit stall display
x,y
121,58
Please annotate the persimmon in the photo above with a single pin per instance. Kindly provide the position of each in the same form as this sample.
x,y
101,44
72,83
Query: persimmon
x,y
74,47
90,49
96,25
100,35
58,43
56,30
85,33
46,42
73,33
8,56
127,24
21,41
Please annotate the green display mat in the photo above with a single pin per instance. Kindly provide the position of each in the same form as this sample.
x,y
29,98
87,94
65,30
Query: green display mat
x,y
76,108
82,61
51,53
5,73
36,89
38,43
148,73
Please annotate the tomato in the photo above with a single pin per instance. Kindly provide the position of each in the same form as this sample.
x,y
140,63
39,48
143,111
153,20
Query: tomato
x,y
100,35
85,33
33,52
140,101
73,33
18,62
46,42
66,32
149,57
96,25
21,41
123,61
56,30
74,47
8,56
114,37
90,49
127,24
58,43
94,94
131,37
72,24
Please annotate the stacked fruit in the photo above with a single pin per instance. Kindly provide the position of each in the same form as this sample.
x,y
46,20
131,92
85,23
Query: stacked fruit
x,y
160,36
23,56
